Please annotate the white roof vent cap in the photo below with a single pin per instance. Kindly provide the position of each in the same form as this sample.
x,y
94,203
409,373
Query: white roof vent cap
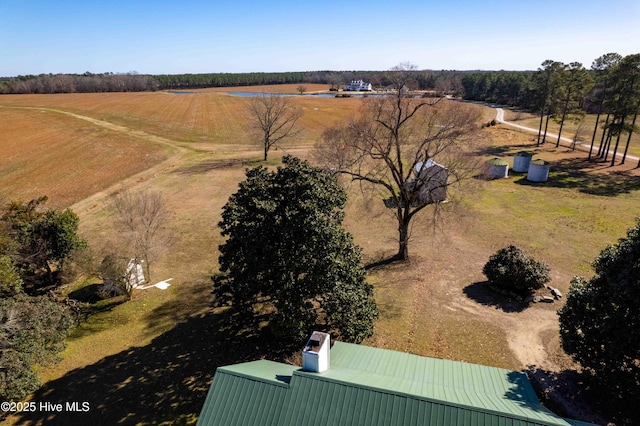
x,y
315,355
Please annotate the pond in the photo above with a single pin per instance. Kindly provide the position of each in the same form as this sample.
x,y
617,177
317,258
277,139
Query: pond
x,y
320,95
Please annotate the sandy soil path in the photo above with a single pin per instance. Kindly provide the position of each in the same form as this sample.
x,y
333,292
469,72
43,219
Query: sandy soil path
x,y
524,330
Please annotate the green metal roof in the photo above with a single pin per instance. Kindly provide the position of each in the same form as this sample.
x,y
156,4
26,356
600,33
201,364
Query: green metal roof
x,y
370,386
497,162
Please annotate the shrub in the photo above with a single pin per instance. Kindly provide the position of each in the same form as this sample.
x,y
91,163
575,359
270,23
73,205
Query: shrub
x,y
510,269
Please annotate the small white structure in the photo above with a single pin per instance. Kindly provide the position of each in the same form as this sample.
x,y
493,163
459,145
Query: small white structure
x,y
134,275
431,179
358,86
538,171
521,161
429,185
315,355
496,168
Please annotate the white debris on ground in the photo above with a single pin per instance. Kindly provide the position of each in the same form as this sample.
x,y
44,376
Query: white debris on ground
x,y
162,285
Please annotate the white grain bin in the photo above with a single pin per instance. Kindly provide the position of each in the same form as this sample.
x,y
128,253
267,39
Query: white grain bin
x,y
538,171
315,355
496,168
521,161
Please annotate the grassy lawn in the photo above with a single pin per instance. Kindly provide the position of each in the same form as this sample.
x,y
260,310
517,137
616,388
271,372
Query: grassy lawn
x,y
151,360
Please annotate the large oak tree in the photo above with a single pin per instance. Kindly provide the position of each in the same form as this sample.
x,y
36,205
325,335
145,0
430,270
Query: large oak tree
x,y
395,146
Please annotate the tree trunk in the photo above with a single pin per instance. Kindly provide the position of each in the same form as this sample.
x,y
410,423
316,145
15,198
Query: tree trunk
x,y
540,126
633,125
593,137
147,266
266,150
546,126
615,150
403,240
607,145
604,132
564,114
595,128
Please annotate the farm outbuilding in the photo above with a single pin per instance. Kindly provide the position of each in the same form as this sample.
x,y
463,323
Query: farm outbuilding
x,y
521,161
374,387
538,171
496,168
431,180
134,273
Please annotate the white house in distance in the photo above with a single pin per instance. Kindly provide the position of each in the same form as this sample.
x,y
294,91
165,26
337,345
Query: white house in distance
x,y
358,86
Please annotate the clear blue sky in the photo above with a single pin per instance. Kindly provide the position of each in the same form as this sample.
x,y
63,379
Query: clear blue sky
x,y
172,37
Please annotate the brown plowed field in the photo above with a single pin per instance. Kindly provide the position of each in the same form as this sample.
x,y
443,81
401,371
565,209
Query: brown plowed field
x,y
44,150
48,153
205,117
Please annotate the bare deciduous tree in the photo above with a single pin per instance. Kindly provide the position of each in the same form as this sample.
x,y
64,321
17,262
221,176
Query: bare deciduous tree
x,y
580,133
142,215
301,89
274,118
394,145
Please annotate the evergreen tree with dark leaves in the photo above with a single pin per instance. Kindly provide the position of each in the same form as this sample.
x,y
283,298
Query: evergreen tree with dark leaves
x,y
288,253
600,323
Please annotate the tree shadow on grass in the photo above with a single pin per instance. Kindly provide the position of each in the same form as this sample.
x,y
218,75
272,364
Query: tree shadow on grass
x,y
479,292
583,175
164,381
209,165
381,263
504,150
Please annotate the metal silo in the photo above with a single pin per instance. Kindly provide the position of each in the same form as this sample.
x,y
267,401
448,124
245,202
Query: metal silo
x,y
538,171
521,161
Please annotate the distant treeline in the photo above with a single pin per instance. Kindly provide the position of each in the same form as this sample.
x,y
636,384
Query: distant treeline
x,y
566,92
515,88
134,82
78,83
555,84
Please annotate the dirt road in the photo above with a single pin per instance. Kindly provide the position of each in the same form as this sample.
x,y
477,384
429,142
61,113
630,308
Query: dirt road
x,y
569,141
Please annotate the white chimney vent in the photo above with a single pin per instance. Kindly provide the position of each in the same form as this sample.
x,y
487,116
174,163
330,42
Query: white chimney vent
x,y
315,355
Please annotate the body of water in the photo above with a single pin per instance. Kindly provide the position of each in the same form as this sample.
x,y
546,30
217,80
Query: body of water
x,y
319,95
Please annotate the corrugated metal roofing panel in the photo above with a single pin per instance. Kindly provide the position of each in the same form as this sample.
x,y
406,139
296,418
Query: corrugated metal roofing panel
x,y
451,382
369,386
246,394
